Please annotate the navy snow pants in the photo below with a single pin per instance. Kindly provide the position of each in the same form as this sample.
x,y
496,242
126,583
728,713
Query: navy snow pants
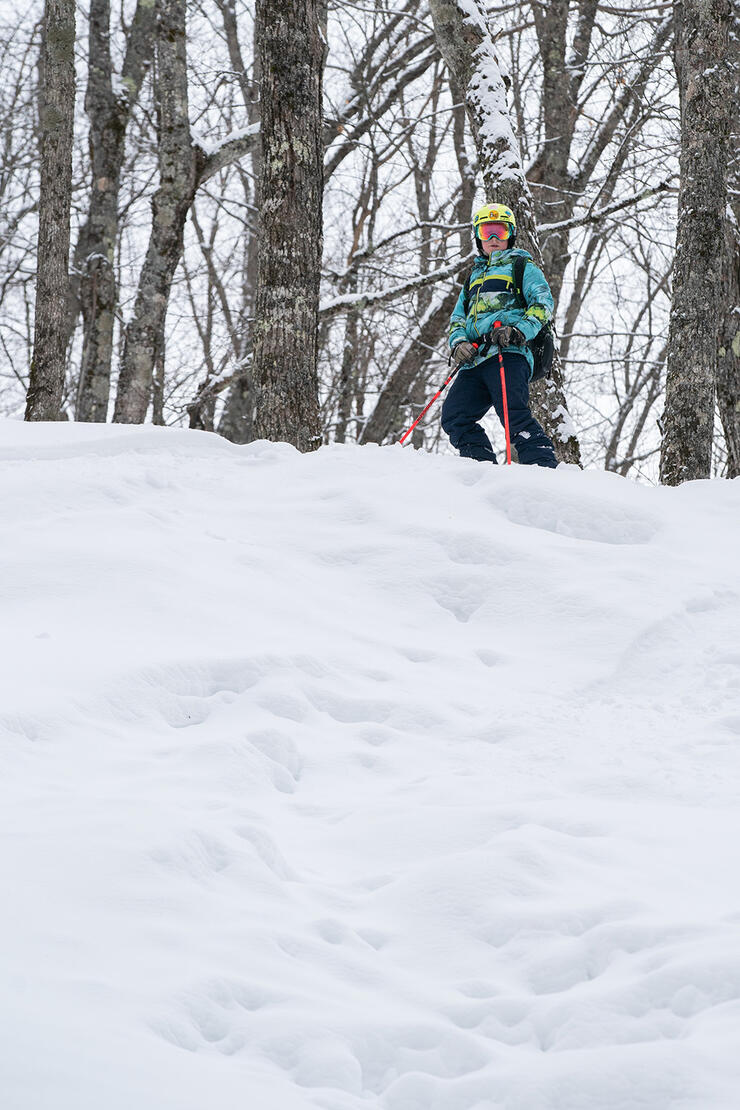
x,y
471,395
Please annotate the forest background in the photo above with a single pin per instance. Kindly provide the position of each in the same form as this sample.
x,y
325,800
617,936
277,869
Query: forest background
x,y
594,99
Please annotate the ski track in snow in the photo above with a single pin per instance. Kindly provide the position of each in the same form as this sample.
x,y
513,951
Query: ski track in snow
x,y
363,779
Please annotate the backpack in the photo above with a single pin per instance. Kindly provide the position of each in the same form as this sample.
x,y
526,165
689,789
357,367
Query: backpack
x,y
543,344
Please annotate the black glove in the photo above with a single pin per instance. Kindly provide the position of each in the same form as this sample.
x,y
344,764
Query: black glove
x,y
463,352
507,337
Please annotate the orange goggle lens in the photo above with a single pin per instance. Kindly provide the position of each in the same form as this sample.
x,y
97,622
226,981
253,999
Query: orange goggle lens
x,y
493,231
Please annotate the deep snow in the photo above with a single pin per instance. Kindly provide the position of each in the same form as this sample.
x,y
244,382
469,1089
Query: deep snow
x,y
363,779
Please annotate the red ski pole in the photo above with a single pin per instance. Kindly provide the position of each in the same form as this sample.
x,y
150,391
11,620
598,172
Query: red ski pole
x,y
497,324
434,398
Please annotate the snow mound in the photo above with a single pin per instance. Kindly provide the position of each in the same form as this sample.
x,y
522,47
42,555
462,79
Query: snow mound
x,y
363,779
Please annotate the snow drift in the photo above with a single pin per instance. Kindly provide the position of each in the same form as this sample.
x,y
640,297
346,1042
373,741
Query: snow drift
x,y
363,779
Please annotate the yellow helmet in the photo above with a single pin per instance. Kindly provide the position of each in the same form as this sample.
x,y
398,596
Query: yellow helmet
x,y
495,213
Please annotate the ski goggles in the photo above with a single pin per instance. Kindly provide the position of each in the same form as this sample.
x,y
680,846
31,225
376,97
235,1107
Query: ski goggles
x,y
494,231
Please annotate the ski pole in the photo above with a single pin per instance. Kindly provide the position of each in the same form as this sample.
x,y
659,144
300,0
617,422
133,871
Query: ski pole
x,y
497,324
434,398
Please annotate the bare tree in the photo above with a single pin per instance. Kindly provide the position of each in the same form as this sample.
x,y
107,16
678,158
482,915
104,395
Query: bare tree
x,y
728,368
705,90
108,109
407,381
183,168
290,36
170,206
19,158
57,128
237,419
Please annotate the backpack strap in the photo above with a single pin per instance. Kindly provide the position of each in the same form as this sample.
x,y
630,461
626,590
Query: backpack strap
x,y
520,265
466,292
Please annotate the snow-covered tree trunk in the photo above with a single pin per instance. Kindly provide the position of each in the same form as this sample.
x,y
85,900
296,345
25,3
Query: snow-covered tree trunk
x,y
705,90
291,60
468,49
52,282
108,111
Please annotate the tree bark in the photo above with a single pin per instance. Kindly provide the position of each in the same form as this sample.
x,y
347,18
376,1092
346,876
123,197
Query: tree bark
x,y
108,112
52,283
705,90
291,62
469,51
177,183
237,419
728,369
347,373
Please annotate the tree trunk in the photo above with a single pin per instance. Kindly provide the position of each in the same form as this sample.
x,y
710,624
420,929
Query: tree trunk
x,y
237,418
170,206
291,62
705,90
52,283
728,369
347,373
108,113
469,51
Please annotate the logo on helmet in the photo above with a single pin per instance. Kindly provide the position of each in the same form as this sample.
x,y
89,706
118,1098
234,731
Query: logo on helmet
x,y
494,214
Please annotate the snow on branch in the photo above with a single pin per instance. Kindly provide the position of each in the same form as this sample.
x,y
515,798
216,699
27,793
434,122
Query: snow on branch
x,y
595,217
361,301
218,155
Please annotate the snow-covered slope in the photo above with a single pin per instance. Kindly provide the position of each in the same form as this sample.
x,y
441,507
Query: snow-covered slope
x,y
365,779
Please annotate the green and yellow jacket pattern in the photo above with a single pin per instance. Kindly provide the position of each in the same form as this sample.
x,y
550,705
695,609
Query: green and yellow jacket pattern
x,y
492,297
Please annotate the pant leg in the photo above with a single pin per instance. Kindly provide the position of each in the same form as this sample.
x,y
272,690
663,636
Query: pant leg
x,y
467,402
532,445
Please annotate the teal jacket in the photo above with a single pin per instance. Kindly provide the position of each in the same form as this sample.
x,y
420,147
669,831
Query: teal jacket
x,y
492,297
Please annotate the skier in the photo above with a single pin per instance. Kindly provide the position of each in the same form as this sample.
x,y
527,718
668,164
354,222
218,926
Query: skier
x,y
486,297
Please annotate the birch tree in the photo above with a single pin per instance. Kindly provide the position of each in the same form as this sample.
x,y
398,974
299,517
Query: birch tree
x,y
705,89
57,128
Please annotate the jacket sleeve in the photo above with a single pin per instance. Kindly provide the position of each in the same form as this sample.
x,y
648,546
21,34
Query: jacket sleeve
x,y
457,333
539,300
